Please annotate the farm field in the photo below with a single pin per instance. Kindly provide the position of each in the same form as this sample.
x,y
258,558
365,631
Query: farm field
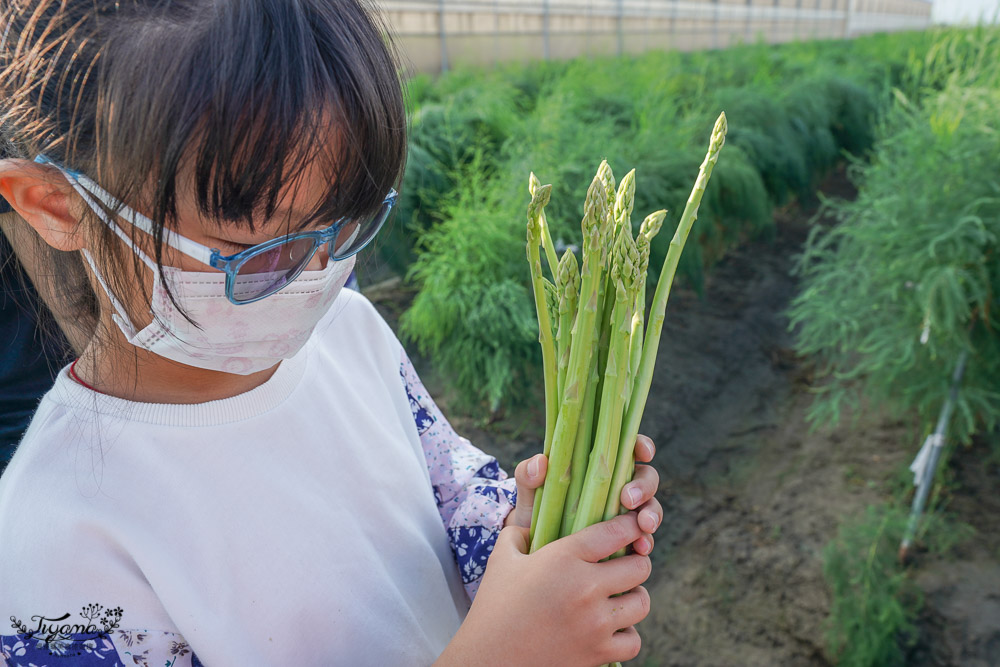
x,y
750,498
807,348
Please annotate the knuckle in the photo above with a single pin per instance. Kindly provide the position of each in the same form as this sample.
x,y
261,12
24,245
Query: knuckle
x,y
616,529
643,567
594,623
589,590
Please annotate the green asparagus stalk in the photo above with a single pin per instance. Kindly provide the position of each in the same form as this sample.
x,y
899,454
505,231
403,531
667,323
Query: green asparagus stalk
x,y
654,328
622,212
651,225
552,302
625,271
550,251
546,527
581,452
608,179
538,202
647,230
624,201
568,285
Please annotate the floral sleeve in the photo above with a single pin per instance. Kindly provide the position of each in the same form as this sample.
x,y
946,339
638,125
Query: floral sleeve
x,y
473,494
107,649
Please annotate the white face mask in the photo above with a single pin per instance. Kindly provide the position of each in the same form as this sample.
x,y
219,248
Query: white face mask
x,y
240,339
231,338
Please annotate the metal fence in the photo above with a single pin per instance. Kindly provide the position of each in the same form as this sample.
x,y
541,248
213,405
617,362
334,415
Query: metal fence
x,y
437,34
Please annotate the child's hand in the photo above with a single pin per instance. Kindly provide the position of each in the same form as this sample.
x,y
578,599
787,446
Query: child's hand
x,y
530,474
554,608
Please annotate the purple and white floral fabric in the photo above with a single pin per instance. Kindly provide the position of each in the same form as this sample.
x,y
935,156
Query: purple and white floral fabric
x,y
473,494
119,648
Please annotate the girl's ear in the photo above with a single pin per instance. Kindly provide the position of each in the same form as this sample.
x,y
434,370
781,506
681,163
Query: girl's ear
x,y
43,197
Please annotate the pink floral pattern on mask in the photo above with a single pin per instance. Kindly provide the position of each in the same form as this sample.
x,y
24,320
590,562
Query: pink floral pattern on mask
x,y
208,331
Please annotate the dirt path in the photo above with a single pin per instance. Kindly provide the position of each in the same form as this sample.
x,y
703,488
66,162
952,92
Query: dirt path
x,y
750,496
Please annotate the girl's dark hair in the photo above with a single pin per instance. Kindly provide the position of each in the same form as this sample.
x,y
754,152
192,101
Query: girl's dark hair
x,y
232,99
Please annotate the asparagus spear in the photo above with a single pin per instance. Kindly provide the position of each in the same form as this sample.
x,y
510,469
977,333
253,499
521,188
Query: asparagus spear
x,y
552,302
550,251
622,212
581,452
625,272
538,202
568,285
647,230
545,528
640,390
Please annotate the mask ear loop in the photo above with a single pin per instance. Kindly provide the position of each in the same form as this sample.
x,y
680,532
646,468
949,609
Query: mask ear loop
x,y
120,317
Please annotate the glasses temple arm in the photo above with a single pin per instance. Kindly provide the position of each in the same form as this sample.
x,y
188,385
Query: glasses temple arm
x,y
87,187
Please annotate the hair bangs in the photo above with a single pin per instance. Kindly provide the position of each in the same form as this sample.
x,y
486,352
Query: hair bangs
x,y
244,111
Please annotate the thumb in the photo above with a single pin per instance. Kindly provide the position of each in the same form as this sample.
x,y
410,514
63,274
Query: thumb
x,y
511,538
529,475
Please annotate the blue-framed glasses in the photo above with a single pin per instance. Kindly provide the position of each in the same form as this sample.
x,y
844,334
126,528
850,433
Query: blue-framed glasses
x,y
258,271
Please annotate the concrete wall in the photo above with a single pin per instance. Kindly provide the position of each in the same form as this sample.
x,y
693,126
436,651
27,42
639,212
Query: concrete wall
x,y
437,34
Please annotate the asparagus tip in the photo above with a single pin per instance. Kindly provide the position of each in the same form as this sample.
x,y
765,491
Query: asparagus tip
x,y
651,225
538,201
719,133
625,198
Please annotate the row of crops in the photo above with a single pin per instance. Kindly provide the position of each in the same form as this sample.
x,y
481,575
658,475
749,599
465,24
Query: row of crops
x,y
794,110
892,298
910,278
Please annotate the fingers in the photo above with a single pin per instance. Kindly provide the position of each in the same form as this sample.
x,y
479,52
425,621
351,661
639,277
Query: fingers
x,y
630,608
529,475
623,574
644,545
599,541
644,449
641,489
625,645
650,516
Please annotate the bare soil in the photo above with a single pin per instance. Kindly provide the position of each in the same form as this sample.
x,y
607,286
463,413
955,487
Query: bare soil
x,y
751,496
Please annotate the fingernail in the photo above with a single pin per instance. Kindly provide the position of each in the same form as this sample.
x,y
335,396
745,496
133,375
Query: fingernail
x,y
653,519
644,545
634,495
533,468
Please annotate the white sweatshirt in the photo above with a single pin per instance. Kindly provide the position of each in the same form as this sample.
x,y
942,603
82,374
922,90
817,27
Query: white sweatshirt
x,y
295,524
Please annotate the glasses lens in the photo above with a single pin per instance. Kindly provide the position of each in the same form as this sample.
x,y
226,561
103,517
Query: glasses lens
x,y
356,234
267,272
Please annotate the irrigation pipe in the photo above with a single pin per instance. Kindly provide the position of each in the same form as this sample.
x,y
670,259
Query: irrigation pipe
x,y
925,465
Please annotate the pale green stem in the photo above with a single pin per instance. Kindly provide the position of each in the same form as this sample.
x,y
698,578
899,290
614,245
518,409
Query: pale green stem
x,y
581,452
546,524
545,337
600,466
550,249
654,328
635,337
546,237
569,286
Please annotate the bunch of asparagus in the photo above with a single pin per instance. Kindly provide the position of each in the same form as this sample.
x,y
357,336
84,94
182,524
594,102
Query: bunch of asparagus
x,y
598,360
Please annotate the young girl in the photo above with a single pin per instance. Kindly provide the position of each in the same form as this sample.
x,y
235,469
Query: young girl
x,y
242,468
